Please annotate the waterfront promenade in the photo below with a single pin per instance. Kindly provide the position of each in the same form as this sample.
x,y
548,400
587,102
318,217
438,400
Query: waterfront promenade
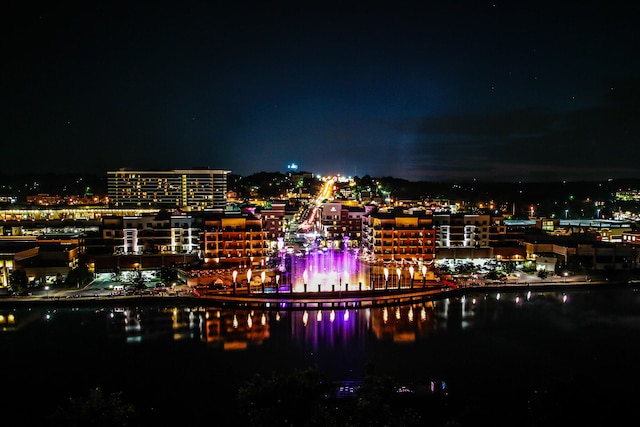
x,y
355,297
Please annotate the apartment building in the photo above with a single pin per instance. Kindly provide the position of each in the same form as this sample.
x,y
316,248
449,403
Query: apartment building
x,y
341,225
159,233
399,235
179,188
273,222
462,230
234,239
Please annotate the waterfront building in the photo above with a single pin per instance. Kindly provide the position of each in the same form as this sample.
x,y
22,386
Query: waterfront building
x,y
631,237
462,230
179,188
234,239
341,225
399,236
46,259
273,222
156,233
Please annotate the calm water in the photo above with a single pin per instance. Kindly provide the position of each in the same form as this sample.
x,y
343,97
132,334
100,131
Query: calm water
x,y
501,355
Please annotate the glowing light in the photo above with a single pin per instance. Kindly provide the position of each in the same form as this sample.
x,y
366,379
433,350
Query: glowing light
x,y
332,316
385,315
235,321
410,315
305,318
319,316
249,321
263,319
346,315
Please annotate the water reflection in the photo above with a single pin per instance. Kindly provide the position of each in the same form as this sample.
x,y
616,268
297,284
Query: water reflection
x,y
237,328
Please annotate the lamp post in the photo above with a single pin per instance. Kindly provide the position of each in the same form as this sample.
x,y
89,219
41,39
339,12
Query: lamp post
x,y
234,275
386,278
424,276
249,281
305,276
262,277
411,275
399,273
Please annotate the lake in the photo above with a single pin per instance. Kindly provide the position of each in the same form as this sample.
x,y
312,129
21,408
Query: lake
x,y
517,358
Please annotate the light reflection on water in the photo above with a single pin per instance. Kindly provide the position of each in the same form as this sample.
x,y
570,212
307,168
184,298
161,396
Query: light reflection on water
x,y
228,326
482,344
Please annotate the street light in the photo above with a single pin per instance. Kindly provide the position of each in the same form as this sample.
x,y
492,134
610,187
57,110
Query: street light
x,y
411,275
249,281
424,275
305,277
262,277
386,278
399,273
234,275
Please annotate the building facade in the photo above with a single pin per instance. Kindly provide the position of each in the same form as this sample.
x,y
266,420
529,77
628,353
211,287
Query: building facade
x,y
234,239
178,188
160,233
398,236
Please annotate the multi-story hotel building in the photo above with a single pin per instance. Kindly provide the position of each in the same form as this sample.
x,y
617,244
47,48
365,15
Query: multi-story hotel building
x,y
234,238
460,230
341,225
178,188
399,236
160,233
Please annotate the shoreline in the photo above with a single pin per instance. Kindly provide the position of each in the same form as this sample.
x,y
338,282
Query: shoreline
x,y
317,299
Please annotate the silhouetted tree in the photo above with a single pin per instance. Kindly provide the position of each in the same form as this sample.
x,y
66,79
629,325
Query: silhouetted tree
x,y
95,409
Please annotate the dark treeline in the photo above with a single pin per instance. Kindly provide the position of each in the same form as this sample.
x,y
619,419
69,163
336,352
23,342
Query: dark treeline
x,y
271,184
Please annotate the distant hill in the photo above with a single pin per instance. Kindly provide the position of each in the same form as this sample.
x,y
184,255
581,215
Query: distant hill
x,y
21,185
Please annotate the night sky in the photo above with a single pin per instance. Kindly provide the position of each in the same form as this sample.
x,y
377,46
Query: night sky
x,y
426,91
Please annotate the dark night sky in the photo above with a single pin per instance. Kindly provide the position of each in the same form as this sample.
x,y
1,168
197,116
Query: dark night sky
x,y
429,91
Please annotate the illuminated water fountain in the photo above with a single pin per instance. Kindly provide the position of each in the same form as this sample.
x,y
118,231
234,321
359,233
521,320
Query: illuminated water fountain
x,y
329,271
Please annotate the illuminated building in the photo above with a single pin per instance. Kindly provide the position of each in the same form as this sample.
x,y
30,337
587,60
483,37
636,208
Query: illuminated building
x,y
398,235
234,238
193,188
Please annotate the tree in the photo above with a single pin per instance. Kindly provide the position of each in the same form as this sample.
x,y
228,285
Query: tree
x,y
18,280
96,409
79,276
304,399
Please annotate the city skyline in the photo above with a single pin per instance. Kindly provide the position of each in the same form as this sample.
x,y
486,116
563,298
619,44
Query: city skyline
x,y
423,91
